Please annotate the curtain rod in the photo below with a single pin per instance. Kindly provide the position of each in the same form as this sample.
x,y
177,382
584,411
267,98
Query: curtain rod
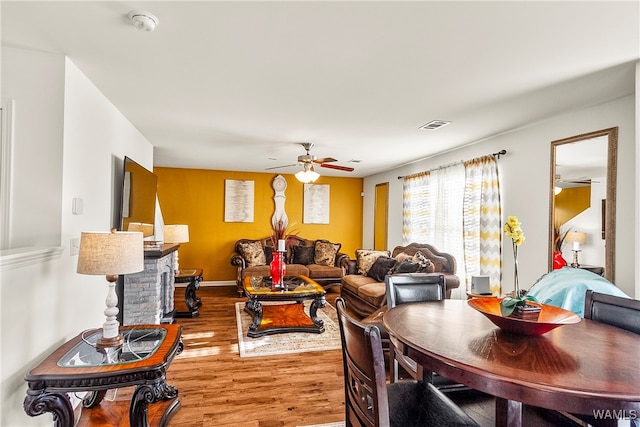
x,y
497,155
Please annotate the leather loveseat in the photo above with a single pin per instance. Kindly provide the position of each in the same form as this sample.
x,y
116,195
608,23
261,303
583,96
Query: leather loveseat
x,y
319,260
364,294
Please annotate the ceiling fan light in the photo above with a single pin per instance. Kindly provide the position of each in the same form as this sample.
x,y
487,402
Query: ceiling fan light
x,y
306,176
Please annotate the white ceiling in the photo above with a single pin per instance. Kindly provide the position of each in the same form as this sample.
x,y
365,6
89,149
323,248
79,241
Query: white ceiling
x,y
234,85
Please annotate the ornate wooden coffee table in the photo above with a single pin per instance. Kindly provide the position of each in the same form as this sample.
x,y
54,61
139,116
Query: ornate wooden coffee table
x,y
279,318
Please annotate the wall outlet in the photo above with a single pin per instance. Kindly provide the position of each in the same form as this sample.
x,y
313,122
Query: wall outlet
x,y
74,247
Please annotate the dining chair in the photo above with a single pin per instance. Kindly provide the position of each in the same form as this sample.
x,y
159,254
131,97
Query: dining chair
x,y
370,401
408,288
613,310
616,311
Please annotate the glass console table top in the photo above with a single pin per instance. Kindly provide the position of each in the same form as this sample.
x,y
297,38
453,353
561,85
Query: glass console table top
x,y
139,344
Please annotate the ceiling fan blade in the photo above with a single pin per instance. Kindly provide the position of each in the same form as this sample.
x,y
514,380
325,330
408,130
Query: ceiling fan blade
x,y
283,166
324,160
342,168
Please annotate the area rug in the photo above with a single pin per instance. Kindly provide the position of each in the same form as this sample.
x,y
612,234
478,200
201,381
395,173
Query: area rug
x,y
291,342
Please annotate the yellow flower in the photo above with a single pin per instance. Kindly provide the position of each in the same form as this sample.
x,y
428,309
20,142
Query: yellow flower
x,y
518,238
513,230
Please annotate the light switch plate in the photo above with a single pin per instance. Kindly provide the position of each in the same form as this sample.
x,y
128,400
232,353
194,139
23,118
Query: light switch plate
x,y
77,206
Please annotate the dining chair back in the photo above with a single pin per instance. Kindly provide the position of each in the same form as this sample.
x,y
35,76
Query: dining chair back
x,y
414,287
370,401
613,310
409,288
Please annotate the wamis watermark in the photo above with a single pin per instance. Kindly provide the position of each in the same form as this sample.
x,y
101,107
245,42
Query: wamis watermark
x,y
612,414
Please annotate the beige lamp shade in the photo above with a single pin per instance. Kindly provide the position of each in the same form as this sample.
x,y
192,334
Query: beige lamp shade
x,y
110,253
177,233
576,236
146,229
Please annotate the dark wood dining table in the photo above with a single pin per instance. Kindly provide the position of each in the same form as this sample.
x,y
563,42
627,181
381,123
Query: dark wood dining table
x,y
583,368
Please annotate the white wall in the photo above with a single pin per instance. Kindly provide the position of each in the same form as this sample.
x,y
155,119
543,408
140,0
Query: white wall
x,y
592,252
45,302
37,153
525,184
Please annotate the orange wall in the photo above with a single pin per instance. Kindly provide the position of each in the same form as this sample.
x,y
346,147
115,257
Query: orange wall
x,y
196,197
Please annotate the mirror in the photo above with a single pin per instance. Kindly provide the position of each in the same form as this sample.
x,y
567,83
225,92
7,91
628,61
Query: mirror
x,y
583,201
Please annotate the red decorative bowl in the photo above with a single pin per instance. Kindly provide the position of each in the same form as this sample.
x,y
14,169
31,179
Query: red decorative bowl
x,y
550,317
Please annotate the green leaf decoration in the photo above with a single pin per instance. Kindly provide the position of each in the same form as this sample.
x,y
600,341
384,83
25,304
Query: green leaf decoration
x,y
507,306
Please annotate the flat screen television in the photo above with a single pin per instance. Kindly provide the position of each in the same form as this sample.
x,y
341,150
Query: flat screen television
x,y
138,208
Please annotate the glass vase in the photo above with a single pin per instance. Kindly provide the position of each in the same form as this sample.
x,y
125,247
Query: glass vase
x,y
278,269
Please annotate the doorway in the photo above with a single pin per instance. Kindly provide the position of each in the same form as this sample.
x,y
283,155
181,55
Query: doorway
x,y
380,214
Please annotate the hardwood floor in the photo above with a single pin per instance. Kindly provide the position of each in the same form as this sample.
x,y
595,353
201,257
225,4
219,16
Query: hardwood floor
x,y
218,388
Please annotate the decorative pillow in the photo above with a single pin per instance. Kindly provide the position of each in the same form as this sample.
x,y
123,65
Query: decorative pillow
x,y
426,266
403,256
252,253
325,253
268,254
381,267
366,257
302,255
406,267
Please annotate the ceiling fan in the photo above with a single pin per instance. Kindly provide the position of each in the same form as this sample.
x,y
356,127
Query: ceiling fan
x,y
308,160
573,182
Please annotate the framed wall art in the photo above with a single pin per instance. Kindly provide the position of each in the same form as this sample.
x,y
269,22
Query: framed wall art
x,y
316,204
238,200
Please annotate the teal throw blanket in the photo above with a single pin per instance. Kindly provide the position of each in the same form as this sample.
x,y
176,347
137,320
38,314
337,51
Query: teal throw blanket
x,y
566,288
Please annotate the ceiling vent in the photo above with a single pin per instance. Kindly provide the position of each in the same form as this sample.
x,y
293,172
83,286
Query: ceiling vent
x,y
434,124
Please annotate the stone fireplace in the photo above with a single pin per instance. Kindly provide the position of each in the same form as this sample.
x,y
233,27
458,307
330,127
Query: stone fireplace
x,y
147,296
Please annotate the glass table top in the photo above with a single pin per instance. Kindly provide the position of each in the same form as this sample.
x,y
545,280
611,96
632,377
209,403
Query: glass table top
x,y
293,285
139,343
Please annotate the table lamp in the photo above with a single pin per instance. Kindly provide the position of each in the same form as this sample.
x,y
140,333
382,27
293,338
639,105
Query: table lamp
x,y
577,238
176,233
146,229
110,254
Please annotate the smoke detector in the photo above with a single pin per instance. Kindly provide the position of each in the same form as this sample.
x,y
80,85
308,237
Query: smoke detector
x,y
143,20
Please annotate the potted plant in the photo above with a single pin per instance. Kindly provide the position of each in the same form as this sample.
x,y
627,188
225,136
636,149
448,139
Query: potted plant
x,y
517,306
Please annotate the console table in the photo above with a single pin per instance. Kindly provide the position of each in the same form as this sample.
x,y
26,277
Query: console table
x,y
593,268
192,277
78,366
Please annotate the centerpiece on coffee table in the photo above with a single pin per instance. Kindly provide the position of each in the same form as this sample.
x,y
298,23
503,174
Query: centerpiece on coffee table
x,y
519,306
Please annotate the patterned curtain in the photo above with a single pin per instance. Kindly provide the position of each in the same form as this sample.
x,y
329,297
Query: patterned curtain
x,y
433,208
482,221
457,209
415,202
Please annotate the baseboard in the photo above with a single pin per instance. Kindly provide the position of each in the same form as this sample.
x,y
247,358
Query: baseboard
x,y
219,283
210,283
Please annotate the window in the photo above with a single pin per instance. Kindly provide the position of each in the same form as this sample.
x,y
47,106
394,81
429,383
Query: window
x,y
457,209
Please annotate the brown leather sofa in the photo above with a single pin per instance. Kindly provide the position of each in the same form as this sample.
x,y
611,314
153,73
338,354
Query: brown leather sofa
x,y
364,295
249,261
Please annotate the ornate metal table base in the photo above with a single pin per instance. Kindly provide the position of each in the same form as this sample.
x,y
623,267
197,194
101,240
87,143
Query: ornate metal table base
x,y
193,278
